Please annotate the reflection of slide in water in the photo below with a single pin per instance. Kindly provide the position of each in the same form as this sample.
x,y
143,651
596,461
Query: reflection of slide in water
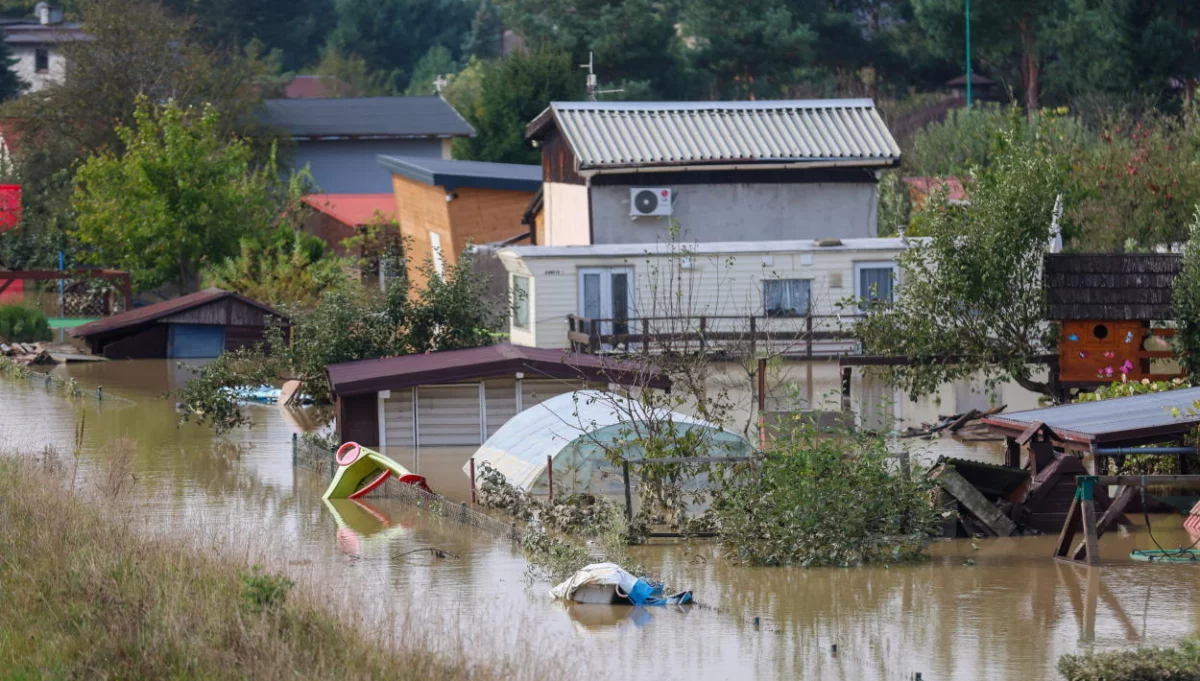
x,y
360,524
361,470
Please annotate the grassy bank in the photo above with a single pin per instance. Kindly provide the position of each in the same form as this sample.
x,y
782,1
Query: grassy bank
x,y
86,597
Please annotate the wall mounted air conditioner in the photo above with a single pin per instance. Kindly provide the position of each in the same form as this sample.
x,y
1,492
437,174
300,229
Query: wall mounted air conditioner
x,y
648,201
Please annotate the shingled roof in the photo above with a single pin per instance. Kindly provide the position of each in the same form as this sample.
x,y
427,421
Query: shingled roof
x,y
610,135
1110,286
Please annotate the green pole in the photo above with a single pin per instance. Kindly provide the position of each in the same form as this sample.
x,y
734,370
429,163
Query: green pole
x,y
968,53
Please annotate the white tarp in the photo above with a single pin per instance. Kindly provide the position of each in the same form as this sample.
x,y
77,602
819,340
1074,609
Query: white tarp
x,y
593,582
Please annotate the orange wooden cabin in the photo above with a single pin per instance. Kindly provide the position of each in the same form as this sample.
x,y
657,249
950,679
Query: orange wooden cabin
x,y
1112,309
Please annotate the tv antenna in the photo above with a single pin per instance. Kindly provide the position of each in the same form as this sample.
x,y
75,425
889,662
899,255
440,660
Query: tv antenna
x,y
593,87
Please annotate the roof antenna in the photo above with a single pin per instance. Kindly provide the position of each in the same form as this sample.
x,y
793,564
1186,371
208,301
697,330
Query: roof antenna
x,y
593,87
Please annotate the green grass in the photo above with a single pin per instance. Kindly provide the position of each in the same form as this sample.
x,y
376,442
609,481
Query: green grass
x,y
86,597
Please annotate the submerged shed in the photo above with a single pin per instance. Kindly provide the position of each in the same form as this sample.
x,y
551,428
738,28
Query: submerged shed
x,y
579,431
199,325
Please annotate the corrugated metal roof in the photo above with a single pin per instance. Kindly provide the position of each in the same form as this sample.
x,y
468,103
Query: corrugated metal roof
x,y
380,117
449,366
720,248
520,447
1111,420
150,313
632,134
453,174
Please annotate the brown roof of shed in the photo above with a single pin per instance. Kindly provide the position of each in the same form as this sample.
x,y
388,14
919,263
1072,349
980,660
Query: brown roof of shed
x,y
150,313
1110,286
450,366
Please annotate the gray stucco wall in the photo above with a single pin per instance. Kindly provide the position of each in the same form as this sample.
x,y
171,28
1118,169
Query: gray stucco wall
x,y
741,212
349,166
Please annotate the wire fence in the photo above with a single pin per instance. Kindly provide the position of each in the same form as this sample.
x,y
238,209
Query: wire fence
x,y
319,458
67,386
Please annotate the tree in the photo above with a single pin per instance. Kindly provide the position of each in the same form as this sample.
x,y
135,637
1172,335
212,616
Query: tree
x,y
349,75
395,34
284,267
484,38
349,323
179,197
436,62
10,84
513,91
1185,302
969,299
296,28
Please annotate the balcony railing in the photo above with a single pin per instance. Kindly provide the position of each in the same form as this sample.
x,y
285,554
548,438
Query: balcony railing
x,y
809,336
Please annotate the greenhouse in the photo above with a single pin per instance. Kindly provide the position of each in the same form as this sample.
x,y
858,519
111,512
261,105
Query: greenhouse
x,y
583,432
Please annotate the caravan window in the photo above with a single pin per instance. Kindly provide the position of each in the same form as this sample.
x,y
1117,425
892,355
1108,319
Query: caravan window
x,y
786,297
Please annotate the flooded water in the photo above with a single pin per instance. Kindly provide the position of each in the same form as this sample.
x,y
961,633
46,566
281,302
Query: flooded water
x,y
1009,615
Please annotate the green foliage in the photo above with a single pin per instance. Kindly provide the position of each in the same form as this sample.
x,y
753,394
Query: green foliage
x,y
950,147
10,84
1127,388
512,92
284,267
23,324
826,499
437,62
208,396
262,592
970,298
296,28
180,196
352,70
1185,302
1181,663
895,204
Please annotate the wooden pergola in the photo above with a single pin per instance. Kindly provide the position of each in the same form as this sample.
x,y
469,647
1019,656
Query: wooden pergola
x,y
120,278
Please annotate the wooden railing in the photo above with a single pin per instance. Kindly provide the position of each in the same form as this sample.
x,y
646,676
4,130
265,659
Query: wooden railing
x,y
809,336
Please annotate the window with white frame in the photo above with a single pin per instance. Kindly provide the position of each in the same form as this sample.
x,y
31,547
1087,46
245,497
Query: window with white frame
x,y
520,294
786,297
439,263
875,282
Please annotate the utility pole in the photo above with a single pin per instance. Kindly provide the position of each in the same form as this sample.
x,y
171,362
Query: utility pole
x,y
968,2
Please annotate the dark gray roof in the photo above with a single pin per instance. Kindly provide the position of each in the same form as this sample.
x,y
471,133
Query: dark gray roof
x,y
31,32
1141,417
614,135
366,117
455,174
1110,286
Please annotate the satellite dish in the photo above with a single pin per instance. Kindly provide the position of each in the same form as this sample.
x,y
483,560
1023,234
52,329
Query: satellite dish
x,y
645,201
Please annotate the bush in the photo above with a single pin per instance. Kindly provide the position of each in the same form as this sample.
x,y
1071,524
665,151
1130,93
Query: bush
x,y
826,499
23,324
1144,664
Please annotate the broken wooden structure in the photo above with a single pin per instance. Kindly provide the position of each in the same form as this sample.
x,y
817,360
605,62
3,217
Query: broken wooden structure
x,y
1082,515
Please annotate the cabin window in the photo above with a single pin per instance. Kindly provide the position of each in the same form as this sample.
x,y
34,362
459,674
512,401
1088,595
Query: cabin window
x,y
875,283
520,293
41,60
786,297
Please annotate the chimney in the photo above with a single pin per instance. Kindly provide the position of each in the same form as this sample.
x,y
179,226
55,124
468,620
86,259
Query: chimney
x,y
48,14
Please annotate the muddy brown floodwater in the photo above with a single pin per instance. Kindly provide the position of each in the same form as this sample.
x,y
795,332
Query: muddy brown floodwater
x,y
1008,616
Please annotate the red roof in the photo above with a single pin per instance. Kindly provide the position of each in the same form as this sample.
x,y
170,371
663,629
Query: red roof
x,y
927,185
149,313
354,209
318,87
451,366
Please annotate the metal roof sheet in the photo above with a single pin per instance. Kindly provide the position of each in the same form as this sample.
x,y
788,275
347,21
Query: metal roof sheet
x,y
637,134
355,210
1111,420
449,366
381,117
150,313
453,174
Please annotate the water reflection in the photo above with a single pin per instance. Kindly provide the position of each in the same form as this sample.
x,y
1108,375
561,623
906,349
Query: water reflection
x,y
1003,611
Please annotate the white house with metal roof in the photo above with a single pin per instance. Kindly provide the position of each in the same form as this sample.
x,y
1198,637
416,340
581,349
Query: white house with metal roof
x,y
624,172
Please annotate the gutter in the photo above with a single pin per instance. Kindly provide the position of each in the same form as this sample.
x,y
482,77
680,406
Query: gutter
x,y
792,165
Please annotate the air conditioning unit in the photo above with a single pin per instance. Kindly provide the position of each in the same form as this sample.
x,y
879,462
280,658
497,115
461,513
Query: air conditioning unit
x,y
647,201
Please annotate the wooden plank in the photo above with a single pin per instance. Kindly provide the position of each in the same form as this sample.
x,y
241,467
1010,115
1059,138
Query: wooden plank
x,y
962,420
1029,432
1068,530
1090,540
950,480
1112,514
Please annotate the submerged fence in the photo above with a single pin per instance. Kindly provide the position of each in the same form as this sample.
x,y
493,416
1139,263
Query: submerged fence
x,y
316,457
68,386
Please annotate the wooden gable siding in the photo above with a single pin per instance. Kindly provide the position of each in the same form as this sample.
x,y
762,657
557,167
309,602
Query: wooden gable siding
x,y
558,160
484,216
422,209
225,312
1110,287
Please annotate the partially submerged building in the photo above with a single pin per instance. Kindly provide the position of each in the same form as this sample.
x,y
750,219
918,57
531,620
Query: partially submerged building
x,y
199,325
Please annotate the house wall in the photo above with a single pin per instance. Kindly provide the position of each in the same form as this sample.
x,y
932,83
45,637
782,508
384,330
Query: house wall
x,y
565,206
716,285
421,209
349,166
738,212
330,230
149,342
484,216
26,60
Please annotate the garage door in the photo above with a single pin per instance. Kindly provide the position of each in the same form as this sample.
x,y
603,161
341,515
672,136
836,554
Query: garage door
x,y
449,415
195,341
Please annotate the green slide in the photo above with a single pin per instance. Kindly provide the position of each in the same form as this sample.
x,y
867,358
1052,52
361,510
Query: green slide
x,y
361,470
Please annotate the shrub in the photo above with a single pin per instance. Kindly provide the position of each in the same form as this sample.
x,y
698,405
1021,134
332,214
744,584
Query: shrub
x,y
23,324
265,592
1144,664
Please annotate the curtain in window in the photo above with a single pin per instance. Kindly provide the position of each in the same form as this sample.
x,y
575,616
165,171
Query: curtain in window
x,y
875,284
786,297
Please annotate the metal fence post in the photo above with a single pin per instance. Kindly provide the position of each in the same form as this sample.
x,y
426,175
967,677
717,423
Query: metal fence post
x,y
294,450
550,477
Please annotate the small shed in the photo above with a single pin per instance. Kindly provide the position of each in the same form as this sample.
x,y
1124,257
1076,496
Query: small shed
x,y
199,325
1107,306
577,431
462,397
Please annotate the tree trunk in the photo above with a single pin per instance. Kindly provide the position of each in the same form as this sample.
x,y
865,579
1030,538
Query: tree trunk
x,y
1032,386
1030,66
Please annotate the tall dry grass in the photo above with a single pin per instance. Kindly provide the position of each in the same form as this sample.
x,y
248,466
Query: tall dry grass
x,y
85,596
